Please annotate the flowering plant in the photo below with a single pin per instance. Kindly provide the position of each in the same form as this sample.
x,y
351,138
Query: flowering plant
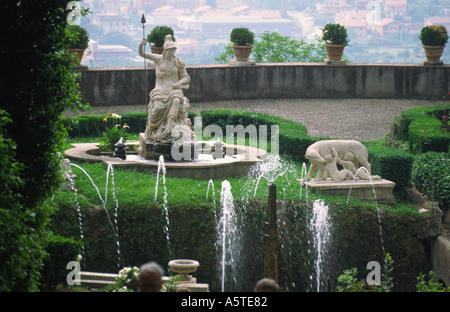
x,y
126,280
433,35
114,131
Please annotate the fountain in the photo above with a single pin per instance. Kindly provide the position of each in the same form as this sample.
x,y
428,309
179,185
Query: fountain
x,y
319,225
227,229
114,226
162,169
169,133
324,157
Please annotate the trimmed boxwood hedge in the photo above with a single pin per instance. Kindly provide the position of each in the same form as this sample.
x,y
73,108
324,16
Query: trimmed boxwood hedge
x,y
431,175
293,138
422,129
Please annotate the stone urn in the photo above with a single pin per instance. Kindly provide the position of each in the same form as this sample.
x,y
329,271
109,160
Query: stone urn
x,y
79,53
335,51
433,53
157,50
242,52
183,267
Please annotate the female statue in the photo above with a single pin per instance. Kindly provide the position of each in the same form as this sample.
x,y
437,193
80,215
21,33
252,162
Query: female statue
x,y
167,107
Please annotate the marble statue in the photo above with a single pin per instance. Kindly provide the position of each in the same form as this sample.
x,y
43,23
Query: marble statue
x,y
330,168
168,107
324,155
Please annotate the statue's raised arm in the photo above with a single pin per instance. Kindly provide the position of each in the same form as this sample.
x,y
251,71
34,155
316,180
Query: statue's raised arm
x,y
147,55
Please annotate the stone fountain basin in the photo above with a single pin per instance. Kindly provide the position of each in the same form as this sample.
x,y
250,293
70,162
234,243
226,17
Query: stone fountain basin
x,y
183,266
244,157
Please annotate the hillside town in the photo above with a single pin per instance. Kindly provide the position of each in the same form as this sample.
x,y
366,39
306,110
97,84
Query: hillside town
x,y
380,31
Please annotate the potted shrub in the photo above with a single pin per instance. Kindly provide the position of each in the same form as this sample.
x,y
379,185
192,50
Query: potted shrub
x,y
242,42
79,41
335,38
156,38
433,39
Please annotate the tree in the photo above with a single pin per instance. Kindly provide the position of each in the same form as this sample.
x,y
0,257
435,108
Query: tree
x,y
37,85
275,48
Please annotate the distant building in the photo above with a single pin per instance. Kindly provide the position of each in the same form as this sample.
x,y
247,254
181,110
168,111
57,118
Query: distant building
x,y
386,26
112,22
185,4
394,8
356,21
221,26
362,4
188,46
115,6
331,7
105,51
166,15
438,20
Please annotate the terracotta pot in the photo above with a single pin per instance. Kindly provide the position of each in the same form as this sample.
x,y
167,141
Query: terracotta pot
x,y
157,50
79,53
242,53
335,51
433,53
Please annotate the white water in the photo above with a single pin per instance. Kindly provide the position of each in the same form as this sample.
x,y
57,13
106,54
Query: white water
x,y
227,228
162,169
303,175
320,226
80,219
270,169
211,184
104,202
376,204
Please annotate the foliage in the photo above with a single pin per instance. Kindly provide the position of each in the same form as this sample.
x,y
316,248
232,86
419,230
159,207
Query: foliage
x,y
430,174
428,284
80,37
114,132
92,125
60,251
350,282
422,129
125,280
158,33
241,36
275,48
383,159
37,86
433,35
335,34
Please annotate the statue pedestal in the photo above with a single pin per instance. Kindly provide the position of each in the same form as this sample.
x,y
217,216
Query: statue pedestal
x,y
360,189
152,150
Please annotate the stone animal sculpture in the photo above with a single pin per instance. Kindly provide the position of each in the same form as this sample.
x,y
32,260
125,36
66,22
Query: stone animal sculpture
x,y
316,152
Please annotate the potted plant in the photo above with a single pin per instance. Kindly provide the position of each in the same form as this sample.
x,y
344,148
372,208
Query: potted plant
x,y
79,41
433,39
242,42
156,38
335,38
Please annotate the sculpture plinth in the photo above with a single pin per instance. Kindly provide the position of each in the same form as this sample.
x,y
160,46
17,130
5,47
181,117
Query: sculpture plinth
x,y
379,191
152,150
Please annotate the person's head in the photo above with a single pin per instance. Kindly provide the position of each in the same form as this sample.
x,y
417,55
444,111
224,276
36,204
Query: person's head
x,y
150,277
267,285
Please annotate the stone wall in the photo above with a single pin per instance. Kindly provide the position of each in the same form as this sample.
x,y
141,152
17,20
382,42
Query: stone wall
x,y
126,85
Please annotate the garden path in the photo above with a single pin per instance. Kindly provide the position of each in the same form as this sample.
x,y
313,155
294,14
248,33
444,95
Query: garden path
x,y
358,119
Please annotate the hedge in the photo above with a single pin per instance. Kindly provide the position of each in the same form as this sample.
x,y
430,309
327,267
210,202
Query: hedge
x,y
355,240
422,128
391,164
60,251
431,175
293,138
